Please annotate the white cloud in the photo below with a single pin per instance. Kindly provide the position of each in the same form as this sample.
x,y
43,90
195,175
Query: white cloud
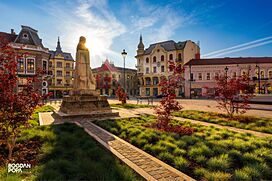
x,y
89,18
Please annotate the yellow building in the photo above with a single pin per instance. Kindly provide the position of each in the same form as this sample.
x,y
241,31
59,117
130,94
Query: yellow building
x,y
61,66
152,63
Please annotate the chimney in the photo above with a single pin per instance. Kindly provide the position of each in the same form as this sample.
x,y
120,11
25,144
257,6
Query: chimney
x,y
197,56
12,32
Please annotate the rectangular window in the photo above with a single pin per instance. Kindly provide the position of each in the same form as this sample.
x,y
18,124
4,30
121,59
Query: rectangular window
x,y
30,65
68,74
155,69
199,76
191,76
59,73
234,75
44,65
59,64
21,65
147,70
67,65
59,81
208,76
162,68
216,75
147,91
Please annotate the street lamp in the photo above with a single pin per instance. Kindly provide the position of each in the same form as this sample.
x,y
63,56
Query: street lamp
x,y
257,66
226,70
124,54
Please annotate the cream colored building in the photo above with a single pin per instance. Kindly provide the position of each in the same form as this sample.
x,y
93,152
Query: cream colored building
x,y
61,66
152,63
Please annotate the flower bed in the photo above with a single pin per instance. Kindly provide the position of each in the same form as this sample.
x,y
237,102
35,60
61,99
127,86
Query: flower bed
x,y
208,154
245,122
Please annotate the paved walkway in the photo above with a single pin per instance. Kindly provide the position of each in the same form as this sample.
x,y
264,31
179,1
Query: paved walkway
x,y
146,165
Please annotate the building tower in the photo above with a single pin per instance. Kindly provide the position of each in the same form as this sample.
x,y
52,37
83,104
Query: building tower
x,y
140,50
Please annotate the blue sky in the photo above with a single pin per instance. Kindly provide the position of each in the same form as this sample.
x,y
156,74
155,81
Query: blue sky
x,y
113,25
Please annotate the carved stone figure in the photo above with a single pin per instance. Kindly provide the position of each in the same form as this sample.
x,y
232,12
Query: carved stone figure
x,y
84,100
83,77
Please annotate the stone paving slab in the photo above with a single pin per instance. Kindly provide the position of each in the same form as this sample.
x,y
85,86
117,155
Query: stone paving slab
x,y
146,165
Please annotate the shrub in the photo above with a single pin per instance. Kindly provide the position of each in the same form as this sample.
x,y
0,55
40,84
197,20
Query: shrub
x,y
251,158
201,159
157,149
167,157
181,164
198,150
220,163
168,145
247,172
179,152
222,176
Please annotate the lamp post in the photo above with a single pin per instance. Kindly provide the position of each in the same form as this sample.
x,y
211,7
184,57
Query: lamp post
x,y
124,54
226,70
259,80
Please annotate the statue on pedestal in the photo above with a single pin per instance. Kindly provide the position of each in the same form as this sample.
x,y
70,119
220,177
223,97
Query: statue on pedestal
x,y
83,99
84,81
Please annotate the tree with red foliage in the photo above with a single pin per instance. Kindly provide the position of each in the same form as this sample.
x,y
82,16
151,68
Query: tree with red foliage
x,y
122,96
15,107
169,104
233,94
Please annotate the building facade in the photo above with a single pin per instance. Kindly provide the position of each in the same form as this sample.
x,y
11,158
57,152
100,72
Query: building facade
x,y
61,66
108,78
35,56
200,73
152,63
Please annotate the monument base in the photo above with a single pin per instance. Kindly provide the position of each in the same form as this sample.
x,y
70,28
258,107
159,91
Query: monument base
x,y
85,105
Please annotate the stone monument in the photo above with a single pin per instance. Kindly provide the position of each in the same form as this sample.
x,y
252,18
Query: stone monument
x,y
83,99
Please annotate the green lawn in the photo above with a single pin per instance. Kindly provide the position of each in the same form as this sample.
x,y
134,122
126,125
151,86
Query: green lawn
x,y
245,122
208,154
130,106
67,152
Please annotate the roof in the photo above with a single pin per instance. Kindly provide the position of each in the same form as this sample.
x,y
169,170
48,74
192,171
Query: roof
x,y
6,38
34,37
67,56
53,54
109,66
227,60
167,45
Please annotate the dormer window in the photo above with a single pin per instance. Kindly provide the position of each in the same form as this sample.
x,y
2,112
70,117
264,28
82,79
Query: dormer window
x,y
25,36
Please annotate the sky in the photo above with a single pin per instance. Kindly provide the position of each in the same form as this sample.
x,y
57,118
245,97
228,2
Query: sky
x,y
229,28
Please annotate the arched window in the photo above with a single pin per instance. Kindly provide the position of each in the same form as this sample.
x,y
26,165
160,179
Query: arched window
x,y
154,59
162,58
270,74
147,60
171,57
262,74
179,57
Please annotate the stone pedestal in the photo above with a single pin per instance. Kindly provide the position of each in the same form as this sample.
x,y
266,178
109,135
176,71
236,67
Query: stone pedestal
x,y
85,105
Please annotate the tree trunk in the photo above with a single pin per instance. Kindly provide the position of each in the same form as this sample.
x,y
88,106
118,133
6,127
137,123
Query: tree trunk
x,y
11,145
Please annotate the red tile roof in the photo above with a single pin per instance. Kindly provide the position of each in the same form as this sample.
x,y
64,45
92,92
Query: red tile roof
x,y
7,37
235,60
